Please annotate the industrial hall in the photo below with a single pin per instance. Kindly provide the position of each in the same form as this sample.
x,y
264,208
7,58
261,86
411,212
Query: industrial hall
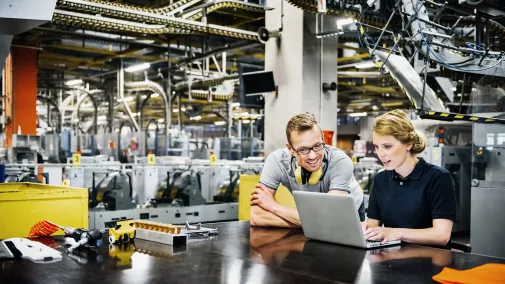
x,y
252,141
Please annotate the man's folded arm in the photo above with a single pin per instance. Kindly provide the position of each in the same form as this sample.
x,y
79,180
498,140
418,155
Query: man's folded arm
x,y
263,218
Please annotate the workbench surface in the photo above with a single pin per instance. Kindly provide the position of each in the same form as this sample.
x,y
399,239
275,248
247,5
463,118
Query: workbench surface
x,y
240,254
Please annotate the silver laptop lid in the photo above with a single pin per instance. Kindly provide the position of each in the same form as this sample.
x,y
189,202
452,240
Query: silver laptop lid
x,y
330,218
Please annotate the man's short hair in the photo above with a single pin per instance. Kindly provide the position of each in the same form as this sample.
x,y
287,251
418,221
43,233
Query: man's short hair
x,y
300,122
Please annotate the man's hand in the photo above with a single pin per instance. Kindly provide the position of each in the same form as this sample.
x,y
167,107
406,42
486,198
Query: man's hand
x,y
382,234
263,197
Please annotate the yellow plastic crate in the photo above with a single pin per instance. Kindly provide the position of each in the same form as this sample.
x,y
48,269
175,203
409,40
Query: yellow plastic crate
x,y
24,204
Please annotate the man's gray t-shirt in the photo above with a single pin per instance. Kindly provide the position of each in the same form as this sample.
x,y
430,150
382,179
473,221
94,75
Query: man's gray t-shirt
x,y
339,175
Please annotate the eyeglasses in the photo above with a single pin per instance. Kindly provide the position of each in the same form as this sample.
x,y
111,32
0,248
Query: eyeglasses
x,y
305,150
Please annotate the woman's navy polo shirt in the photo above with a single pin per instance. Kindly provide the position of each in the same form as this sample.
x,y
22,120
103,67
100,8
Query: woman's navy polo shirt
x,y
427,193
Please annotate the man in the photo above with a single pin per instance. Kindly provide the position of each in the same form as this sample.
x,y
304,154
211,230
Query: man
x,y
305,164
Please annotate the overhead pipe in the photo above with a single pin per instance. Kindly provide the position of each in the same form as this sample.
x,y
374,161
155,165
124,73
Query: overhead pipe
x,y
80,100
120,130
142,106
154,87
121,86
155,150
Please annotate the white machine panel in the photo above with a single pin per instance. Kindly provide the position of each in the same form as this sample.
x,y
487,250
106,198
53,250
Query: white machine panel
x,y
76,177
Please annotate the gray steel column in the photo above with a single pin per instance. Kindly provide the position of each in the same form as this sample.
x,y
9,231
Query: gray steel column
x,y
300,64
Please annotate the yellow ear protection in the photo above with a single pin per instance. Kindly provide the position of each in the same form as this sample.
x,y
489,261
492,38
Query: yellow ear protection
x,y
302,176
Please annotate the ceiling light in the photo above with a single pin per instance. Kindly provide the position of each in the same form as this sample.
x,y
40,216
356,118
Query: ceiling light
x,y
235,105
365,65
161,120
196,117
183,109
74,82
356,114
246,121
155,95
375,107
175,110
139,67
102,117
143,96
220,122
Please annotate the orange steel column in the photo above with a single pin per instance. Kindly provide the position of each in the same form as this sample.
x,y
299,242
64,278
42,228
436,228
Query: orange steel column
x,y
21,101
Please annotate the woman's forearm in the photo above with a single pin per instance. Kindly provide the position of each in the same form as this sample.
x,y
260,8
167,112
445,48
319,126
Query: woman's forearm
x,y
429,236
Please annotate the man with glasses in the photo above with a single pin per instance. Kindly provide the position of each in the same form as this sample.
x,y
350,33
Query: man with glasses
x,y
305,164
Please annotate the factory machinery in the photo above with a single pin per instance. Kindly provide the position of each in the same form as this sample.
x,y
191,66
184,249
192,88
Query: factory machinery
x,y
172,190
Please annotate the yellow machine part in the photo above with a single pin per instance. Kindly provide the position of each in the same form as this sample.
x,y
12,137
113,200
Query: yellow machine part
x,y
158,227
24,204
247,184
121,254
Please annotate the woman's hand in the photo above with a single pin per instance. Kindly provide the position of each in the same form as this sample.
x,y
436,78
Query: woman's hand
x,y
383,234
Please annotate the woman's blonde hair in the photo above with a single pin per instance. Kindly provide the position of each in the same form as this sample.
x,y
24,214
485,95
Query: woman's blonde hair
x,y
396,123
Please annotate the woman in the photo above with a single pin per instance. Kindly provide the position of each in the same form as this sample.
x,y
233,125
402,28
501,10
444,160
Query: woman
x,y
414,200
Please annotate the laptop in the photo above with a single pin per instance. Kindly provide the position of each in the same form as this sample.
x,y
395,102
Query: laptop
x,y
333,218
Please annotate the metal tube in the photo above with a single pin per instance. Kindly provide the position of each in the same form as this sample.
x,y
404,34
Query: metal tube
x,y
229,119
321,72
179,117
168,113
154,87
121,95
110,119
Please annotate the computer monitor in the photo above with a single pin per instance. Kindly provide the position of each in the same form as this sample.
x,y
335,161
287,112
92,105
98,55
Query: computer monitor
x,y
253,86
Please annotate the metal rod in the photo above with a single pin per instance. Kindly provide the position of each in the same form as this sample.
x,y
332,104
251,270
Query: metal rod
x,y
429,22
321,72
426,62
168,116
439,13
121,95
462,92
179,115
383,29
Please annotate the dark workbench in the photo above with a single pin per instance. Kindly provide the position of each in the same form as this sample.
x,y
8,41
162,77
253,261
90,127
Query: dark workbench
x,y
241,254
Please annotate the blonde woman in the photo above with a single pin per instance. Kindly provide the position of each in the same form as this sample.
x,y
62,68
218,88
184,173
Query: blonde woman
x,y
412,200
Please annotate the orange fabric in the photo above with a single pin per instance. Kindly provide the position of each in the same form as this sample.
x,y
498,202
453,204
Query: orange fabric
x,y
487,273
43,228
